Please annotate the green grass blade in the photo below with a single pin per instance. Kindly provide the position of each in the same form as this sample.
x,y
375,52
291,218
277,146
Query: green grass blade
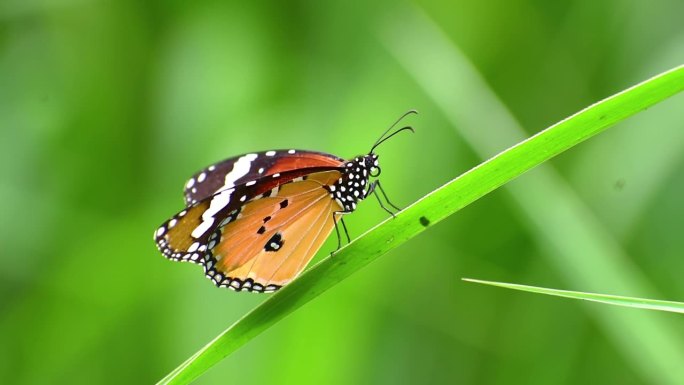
x,y
567,232
426,212
639,303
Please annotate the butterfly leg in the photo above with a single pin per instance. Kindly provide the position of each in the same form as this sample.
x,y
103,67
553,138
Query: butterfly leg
x,y
344,226
337,230
384,195
372,190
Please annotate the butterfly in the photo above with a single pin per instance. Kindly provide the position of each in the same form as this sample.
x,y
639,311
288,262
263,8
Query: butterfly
x,y
254,221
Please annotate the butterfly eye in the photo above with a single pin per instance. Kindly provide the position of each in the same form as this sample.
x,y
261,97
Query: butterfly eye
x,y
375,171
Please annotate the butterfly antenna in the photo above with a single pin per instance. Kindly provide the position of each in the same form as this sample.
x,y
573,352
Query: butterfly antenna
x,y
383,137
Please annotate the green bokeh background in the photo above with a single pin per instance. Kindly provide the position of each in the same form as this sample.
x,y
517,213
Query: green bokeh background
x,y
106,107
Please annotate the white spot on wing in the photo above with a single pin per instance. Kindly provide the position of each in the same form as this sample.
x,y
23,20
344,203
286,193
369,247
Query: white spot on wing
x,y
190,183
160,231
218,202
202,228
240,169
270,153
201,177
291,152
221,200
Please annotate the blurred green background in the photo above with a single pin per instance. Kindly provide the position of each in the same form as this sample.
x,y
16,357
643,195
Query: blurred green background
x,y
106,107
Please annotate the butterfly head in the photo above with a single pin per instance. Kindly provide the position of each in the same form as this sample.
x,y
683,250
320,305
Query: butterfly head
x,y
363,167
354,185
370,163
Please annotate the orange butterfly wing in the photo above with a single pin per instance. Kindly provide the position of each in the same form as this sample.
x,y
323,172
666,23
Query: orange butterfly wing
x,y
274,238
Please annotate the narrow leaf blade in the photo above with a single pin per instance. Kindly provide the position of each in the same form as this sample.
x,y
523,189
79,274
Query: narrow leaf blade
x,y
617,300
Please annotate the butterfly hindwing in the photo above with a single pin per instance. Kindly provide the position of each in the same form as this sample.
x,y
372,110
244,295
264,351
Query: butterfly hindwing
x,y
274,238
251,167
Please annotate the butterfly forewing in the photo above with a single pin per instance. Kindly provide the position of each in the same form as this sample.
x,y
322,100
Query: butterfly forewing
x,y
251,167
